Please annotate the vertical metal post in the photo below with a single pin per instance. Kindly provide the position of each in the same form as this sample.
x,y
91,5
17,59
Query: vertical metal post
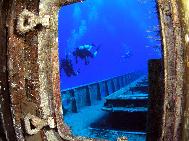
x,y
88,96
113,85
98,92
73,101
106,88
118,83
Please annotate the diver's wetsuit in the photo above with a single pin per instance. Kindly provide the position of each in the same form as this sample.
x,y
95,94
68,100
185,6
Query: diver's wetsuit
x,y
67,66
83,54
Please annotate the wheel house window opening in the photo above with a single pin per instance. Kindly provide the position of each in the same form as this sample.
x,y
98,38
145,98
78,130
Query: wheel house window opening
x,y
106,62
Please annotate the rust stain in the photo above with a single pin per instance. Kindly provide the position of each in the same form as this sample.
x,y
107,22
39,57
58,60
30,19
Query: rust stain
x,y
174,69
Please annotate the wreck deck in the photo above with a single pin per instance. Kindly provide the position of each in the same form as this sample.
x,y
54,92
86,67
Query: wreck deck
x,y
132,98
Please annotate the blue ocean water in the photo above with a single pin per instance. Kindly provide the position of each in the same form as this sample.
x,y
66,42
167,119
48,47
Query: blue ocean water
x,y
124,30
119,37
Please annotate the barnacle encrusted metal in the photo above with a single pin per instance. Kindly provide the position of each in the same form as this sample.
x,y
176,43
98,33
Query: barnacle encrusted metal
x,y
28,20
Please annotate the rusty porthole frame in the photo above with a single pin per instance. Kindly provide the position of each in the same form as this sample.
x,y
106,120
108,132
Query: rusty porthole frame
x,y
33,71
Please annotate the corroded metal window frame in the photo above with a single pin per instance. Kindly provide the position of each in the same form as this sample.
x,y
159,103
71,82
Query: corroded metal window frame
x,y
33,70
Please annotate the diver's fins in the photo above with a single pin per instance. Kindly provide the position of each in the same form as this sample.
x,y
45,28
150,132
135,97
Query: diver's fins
x,y
97,49
95,53
89,49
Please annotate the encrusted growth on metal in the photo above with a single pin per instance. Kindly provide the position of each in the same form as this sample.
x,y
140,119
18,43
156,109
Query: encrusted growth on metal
x,y
6,123
174,69
49,67
34,71
184,10
23,69
38,123
28,20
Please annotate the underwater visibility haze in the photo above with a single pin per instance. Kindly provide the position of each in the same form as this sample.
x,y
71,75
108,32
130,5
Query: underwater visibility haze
x,y
100,40
123,31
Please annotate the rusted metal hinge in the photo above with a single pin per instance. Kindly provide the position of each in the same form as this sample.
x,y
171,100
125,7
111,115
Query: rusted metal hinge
x,y
27,21
37,123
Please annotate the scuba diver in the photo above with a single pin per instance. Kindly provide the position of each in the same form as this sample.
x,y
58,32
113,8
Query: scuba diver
x,y
67,66
85,51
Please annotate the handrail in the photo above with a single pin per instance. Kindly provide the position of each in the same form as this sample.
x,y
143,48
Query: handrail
x,y
108,79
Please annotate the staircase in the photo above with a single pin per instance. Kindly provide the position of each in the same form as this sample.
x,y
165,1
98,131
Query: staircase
x,y
129,106
132,98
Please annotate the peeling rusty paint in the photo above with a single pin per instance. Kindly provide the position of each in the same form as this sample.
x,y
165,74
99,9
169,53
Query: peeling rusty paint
x,y
184,15
6,123
23,69
174,69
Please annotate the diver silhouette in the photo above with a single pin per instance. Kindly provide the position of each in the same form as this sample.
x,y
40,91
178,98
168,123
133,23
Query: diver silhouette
x,y
84,52
67,66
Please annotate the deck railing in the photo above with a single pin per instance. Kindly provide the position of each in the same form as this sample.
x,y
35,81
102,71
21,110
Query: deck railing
x,y
75,98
